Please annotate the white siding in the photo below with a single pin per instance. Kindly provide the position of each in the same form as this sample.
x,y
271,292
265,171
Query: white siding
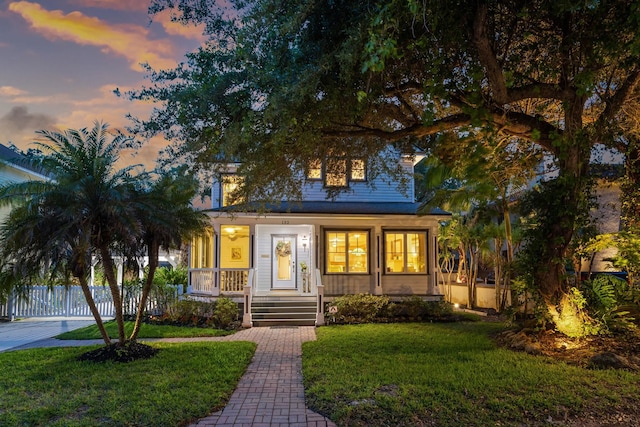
x,y
380,190
265,253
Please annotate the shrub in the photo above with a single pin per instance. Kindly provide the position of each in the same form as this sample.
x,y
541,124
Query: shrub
x,y
189,312
359,308
222,313
225,314
416,308
611,301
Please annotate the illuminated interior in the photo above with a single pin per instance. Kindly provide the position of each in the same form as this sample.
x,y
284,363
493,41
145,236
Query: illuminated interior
x,y
347,252
202,250
230,184
234,246
405,252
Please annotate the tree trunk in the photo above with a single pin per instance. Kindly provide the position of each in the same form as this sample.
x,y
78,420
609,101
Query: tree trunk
x,y
94,310
109,272
573,151
146,289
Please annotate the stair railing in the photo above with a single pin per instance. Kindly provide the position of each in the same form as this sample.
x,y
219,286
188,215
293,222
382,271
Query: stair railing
x,y
319,299
247,322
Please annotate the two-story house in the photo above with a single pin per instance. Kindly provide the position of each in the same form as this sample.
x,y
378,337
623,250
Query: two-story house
x,y
368,239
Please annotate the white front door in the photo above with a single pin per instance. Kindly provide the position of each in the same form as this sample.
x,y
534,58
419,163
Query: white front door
x,y
283,247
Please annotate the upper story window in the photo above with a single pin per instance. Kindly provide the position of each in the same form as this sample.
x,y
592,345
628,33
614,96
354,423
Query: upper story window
x,y
229,186
405,251
337,171
347,251
315,170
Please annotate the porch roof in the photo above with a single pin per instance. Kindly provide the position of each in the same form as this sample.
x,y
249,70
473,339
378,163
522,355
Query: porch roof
x,y
328,207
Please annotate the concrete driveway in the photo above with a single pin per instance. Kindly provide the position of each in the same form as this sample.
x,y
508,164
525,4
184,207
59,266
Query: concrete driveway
x,y
25,331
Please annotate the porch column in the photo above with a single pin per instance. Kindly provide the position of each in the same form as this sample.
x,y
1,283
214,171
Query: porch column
x,y
433,287
378,250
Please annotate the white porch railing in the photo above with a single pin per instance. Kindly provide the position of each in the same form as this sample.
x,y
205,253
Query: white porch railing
x,y
213,281
233,280
202,281
247,321
319,298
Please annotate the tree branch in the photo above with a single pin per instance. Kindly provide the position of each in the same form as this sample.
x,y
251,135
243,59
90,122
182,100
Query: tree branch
x,y
487,56
623,94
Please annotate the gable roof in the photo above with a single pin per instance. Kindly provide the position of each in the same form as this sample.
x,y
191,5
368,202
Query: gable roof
x,y
20,161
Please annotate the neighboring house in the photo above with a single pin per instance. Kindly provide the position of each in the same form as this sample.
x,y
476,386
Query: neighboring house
x,y
14,167
301,254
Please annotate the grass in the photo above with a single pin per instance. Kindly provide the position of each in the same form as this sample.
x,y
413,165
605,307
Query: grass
x,y
184,382
147,330
449,375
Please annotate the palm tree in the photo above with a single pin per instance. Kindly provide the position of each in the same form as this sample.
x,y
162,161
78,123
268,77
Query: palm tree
x,y
86,209
167,218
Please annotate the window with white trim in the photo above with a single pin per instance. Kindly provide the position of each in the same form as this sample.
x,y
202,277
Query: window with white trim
x,y
201,251
347,251
337,171
405,252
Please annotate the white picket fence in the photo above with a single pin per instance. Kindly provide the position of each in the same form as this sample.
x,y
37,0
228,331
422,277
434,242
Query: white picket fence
x,y
61,301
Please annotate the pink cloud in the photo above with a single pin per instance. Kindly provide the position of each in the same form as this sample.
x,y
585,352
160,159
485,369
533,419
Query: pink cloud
x,y
10,91
128,41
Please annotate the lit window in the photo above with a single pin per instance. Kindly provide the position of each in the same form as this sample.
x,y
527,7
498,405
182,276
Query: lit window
x,y
230,185
315,170
202,250
336,173
347,251
405,252
358,172
234,246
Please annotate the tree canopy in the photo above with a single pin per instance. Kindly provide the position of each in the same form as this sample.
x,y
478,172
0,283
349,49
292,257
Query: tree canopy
x,y
281,83
91,208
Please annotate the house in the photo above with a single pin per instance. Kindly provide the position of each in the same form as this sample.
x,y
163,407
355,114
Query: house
x,y
282,265
14,167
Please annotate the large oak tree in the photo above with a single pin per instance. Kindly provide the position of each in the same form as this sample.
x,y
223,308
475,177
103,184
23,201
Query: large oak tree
x,y
280,83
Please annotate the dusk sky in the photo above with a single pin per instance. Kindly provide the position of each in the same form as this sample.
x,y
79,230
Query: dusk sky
x,y
60,61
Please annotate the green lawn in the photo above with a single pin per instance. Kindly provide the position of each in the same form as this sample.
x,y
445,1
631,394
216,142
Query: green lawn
x,y
147,330
449,375
183,382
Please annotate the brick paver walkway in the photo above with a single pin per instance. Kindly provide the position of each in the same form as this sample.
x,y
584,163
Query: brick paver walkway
x,y
270,393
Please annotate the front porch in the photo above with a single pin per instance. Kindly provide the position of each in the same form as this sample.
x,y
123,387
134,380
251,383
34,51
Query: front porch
x,y
231,283
302,306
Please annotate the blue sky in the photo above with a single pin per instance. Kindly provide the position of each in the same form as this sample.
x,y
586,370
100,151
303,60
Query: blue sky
x,y
60,61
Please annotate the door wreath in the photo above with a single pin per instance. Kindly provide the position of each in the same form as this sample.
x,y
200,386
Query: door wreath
x,y
283,249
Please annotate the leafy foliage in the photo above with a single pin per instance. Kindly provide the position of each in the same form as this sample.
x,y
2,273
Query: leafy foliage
x,y
222,313
612,301
284,83
366,308
90,208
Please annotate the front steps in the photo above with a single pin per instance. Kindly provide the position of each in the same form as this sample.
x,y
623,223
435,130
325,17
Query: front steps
x,y
283,311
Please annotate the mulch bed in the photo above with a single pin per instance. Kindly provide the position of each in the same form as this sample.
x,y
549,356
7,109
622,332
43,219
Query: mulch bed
x,y
126,352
